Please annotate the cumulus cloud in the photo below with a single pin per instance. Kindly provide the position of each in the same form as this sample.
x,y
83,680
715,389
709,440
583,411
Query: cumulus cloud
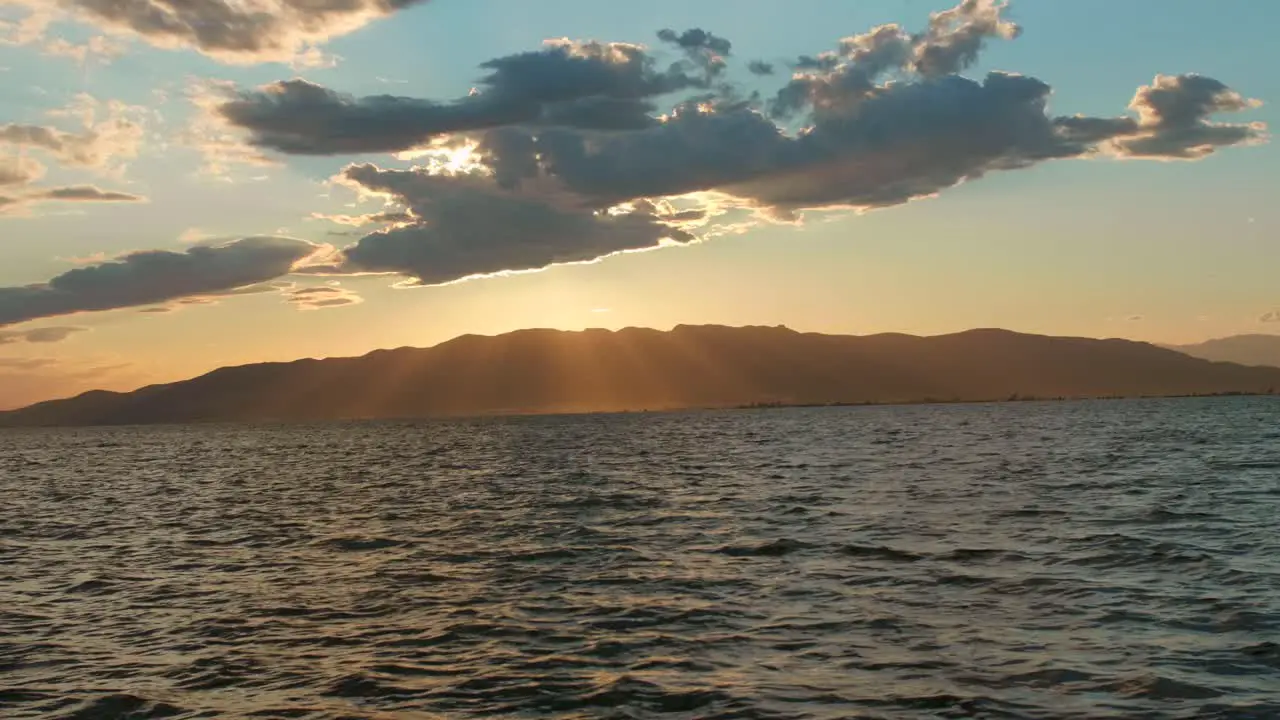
x,y
1174,119
560,155
584,85
578,112
155,276
466,225
956,36
244,31
566,161
38,335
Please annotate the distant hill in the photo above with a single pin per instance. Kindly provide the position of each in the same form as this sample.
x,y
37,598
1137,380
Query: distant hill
x,y
1241,349
549,371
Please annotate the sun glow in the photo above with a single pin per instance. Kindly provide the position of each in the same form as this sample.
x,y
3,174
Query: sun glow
x,y
449,156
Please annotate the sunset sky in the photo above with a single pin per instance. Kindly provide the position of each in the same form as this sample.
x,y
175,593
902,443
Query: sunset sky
x,y
185,185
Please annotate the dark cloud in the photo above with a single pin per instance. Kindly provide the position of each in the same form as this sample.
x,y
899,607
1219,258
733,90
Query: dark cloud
x,y
704,50
906,140
587,85
38,335
1271,317
560,155
467,225
693,150
265,30
696,40
760,67
84,193
155,276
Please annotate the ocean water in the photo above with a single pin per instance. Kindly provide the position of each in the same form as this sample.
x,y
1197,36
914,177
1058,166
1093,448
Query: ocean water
x,y
1058,560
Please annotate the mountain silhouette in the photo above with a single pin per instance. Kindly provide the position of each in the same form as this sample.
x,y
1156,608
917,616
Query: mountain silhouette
x,y
1240,349
551,371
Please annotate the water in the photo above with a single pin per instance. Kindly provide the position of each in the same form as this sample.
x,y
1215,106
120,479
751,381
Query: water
x,y
1073,560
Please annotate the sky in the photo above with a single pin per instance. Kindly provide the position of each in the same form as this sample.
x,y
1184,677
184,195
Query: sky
x,y
187,184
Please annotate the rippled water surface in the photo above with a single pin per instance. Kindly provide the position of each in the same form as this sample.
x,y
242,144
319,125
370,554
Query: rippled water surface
x,y
1072,560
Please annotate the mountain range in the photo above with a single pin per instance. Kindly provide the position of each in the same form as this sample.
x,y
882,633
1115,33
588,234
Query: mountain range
x,y
1241,349
551,371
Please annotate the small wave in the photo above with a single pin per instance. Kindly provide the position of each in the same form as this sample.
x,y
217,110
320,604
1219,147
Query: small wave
x,y
217,673
540,555
1049,677
361,544
122,705
360,685
880,552
635,694
1157,687
773,548
1034,512
96,586
989,554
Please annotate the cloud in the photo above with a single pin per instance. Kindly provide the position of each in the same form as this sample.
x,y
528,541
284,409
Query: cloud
x,y
19,171
321,296
704,50
560,155
99,48
1271,317
956,36
207,132
556,158
467,225
38,335
24,364
110,133
585,85
1173,119
84,193
245,31
71,193
380,218
850,139
155,276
